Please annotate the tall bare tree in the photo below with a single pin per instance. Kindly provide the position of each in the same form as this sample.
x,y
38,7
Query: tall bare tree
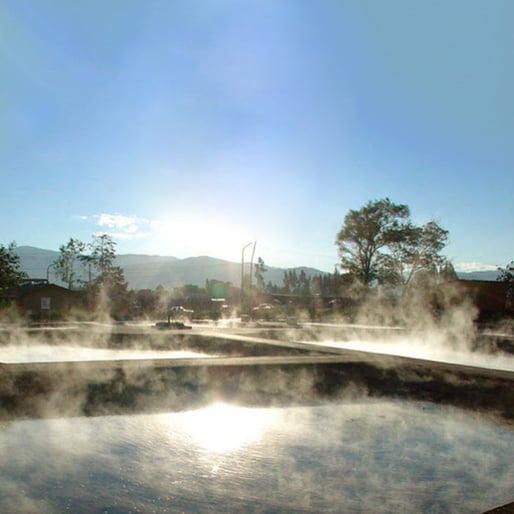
x,y
65,266
260,269
109,280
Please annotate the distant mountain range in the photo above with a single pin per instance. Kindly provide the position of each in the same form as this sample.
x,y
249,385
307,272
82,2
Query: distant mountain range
x,y
488,275
149,271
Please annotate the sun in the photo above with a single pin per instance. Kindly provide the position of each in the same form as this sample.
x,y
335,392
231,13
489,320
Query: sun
x,y
188,236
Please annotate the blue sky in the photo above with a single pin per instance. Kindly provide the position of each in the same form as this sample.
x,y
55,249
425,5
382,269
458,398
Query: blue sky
x,y
193,127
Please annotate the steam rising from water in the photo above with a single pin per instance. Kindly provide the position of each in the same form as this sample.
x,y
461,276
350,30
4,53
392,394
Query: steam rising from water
x,y
68,353
437,324
354,455
367,456
428,348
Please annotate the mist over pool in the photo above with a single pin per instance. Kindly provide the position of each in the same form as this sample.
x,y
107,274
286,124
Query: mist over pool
x,y
360,456
70,353
426,349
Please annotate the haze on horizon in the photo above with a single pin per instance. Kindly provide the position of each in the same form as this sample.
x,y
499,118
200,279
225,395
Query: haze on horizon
x,y
194,127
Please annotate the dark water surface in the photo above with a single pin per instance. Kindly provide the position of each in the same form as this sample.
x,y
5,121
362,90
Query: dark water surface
x,y
360,456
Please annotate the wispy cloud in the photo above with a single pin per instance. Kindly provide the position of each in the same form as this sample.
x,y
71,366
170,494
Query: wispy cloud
x,y
120,226
115,220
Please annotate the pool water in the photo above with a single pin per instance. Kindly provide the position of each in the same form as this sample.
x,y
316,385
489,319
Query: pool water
x,y
344,456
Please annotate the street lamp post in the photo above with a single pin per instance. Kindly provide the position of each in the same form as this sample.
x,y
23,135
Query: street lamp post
x,y
251,268
48,272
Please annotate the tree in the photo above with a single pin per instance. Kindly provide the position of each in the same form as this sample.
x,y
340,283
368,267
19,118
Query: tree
x,y
163,297
447,272
65,264
304,283
103,252
506,274
260,269
417,250
146,300
115,287
217,288
365,233
10,272
379,244
109,284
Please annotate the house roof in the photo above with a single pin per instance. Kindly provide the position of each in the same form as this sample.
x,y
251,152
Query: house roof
x,y
38,287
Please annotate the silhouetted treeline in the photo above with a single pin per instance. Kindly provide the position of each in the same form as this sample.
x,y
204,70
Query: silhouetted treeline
x,y
324,284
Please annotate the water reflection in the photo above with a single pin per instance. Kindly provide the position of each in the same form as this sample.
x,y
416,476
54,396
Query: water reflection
x,y
221,428
368,456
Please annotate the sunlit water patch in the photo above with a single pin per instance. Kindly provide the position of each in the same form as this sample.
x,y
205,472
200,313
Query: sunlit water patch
x,y
67,353
372,456
222,428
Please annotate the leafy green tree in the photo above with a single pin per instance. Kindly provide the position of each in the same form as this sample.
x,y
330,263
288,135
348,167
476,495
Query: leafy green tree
x,y
304,283
218,289
290,281
116,288
296,283
187,292
416,251
271,288
378,244
506,274
447,272
10,272
163,298
65,265
331,284
366,233
146,300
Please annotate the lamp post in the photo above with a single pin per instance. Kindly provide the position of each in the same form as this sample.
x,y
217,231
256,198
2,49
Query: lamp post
x,y
48,272
251,267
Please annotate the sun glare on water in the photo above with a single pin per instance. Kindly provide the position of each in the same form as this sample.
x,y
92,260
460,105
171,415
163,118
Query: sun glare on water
x,y
222,428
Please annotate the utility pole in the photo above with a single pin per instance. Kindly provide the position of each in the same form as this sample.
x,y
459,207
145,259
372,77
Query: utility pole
x,y
48,272
251,266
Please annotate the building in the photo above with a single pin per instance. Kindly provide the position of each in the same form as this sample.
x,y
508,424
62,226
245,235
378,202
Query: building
x,y
39,299
489,297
